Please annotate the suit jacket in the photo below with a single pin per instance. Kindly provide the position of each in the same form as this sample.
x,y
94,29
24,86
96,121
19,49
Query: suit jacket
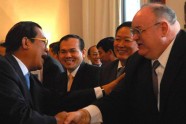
x,y
82,90
134,102
18,105
51,69
109,72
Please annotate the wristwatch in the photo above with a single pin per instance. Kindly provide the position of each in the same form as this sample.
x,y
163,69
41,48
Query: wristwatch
x,y
103,91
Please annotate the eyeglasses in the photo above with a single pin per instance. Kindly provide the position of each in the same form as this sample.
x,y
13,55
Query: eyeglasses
x,y
140,31
44,40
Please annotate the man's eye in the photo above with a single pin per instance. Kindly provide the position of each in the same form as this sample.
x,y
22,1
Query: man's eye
x,y
117,39
63,51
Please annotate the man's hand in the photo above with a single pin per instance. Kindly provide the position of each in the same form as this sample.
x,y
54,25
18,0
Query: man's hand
x,y
78,117
110,86
60,117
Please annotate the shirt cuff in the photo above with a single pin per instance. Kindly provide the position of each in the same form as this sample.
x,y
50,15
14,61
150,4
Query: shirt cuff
x,y
95,114
98,92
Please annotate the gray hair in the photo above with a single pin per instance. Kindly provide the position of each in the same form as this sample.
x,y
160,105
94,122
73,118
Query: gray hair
x,y
162,11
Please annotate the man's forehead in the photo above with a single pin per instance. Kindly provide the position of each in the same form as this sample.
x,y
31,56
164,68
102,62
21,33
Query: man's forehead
x,y
142,18
40,32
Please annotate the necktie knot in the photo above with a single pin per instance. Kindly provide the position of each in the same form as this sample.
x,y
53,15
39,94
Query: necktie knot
x,y
27,77
155,64
120,71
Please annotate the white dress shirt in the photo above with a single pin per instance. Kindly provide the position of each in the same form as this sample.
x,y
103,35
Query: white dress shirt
x,y
22,66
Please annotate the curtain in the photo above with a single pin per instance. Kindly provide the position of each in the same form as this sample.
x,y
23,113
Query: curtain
x,y
100,19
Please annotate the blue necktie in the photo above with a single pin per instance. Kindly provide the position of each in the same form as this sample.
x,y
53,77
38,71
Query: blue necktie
x,y
27,77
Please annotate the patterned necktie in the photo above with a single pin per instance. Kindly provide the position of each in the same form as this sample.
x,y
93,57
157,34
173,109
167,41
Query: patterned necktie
x,y
70,80
27,77
155,78
120,71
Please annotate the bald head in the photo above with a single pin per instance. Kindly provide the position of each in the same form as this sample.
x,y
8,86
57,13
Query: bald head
x,y
155,26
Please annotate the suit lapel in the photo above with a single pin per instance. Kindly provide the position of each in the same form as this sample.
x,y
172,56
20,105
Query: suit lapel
x,y
77,78
114,69
145,87
61,84
174,64
22,80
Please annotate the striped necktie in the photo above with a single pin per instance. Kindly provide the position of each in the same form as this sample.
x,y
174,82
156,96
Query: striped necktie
x,y
120,71
154,77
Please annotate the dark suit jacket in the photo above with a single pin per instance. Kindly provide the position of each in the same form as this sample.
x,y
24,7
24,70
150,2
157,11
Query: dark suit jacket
x,y
82,89
134,102
17,104
51,69
109,72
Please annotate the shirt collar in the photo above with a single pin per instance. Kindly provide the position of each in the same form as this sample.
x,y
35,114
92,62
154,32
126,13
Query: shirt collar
x,y
74,72
165,55
119,65
21,65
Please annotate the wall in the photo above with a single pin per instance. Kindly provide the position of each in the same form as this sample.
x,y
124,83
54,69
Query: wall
x,y
52,15
57,17
178,7
76,17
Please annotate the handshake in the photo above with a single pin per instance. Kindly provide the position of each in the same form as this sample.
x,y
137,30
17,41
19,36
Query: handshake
x,y
81,116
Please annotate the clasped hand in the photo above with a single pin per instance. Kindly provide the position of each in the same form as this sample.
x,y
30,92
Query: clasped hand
x,y
77,117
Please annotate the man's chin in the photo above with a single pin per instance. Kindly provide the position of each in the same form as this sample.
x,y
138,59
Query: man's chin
x,y
39,67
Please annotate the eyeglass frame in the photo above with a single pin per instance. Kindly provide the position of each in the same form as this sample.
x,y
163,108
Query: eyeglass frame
x,y
44,40
138,31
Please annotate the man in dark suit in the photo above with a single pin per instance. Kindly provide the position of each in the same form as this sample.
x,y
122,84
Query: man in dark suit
x,y
84,89
124,46
93,56
51,69
20,100
106,50
158,34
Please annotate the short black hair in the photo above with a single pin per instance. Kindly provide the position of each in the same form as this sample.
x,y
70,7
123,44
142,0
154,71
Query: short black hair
x,y
21,29
54,47
106,44
66,37
124,24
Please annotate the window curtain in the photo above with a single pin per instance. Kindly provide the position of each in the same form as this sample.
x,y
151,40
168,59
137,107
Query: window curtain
x,y
144,1
160,1
100,19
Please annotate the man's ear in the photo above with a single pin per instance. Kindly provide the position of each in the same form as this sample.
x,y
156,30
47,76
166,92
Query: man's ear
x,y
110,52
84,53
88,56
25,42
164,29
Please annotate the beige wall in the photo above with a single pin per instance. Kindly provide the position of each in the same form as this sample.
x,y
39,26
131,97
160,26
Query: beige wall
x,y
52,15
75,17
178,6
57,17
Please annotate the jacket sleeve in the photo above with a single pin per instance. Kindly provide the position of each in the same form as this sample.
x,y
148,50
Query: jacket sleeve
x,y
15,108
